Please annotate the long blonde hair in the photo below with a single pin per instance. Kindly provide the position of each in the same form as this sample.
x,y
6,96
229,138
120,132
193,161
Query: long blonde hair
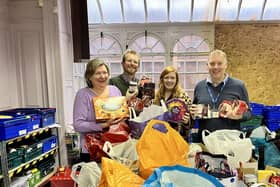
x,y
177,90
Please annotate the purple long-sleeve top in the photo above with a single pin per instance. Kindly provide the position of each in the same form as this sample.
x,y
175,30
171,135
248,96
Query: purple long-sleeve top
x,y
84,115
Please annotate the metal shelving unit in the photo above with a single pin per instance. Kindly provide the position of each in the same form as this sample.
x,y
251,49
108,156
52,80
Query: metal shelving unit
x,y
7,173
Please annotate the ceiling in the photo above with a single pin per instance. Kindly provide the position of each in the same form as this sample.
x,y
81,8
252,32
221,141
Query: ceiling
x,y
185,11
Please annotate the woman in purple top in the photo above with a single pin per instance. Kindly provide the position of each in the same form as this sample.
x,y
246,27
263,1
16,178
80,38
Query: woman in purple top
x,y
96,76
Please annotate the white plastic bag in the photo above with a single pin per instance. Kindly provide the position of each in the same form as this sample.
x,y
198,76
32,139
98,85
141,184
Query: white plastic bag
x,y
231,143
149,113
125,152
89,175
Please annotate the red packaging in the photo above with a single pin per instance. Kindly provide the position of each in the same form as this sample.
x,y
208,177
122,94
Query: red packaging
x,y
62,178
275,180
224,107
239,107
117,133
136,103
94,145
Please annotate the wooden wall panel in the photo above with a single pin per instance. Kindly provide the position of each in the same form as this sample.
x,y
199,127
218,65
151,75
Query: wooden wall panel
x,y
253,55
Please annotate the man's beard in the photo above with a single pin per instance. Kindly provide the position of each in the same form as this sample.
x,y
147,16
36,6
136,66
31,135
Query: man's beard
x,y
131,72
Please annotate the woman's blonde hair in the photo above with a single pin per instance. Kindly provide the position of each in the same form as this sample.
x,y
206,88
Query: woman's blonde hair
x,y
177,90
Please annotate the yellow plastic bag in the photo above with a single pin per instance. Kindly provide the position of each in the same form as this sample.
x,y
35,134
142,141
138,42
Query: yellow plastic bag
x,y
115,174
160,145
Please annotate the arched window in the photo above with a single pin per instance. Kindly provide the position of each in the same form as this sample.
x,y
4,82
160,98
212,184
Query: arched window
x,y
109,49
152,53
104,47
189,55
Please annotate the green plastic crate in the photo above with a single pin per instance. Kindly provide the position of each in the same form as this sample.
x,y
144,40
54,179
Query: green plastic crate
x,y
32,151
12,163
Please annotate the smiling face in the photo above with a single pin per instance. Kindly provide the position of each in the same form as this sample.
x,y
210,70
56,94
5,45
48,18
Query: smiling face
x,y
100,77
217,66
169,81
131,63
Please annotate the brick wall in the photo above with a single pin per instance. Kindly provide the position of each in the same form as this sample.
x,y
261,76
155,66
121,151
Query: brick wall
x,y
253,52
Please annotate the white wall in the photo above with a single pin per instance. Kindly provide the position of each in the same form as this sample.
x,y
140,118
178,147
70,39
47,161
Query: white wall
x,y
8,74
36,58
22,56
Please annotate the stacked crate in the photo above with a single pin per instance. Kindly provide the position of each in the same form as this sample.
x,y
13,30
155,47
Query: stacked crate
x,y
272,117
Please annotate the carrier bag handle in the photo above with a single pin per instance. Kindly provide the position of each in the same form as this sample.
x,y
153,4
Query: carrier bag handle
x,y
74,172
205,133
132,113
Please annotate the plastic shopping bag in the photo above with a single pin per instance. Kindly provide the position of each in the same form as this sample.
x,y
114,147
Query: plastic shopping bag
x,y
268,152
88,176
179,176
160,145
231,143
115,174
137,124
125,153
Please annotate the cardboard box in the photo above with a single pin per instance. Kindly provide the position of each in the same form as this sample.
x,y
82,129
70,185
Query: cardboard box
x,y
110,108
250,167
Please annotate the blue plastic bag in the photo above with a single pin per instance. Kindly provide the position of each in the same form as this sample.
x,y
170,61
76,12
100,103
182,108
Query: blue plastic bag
x,y
180,176
271,152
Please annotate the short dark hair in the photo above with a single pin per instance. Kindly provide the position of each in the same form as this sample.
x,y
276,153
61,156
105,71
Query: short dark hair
x,y
92,65
130,51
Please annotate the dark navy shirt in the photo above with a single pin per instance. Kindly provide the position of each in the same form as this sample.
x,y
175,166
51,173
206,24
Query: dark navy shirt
x,y
230,89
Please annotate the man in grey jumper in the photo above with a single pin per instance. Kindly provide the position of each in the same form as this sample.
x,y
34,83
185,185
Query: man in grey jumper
x,y
216,88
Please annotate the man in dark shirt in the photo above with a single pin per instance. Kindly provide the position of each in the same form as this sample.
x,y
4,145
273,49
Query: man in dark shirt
x,y
130,64
216,88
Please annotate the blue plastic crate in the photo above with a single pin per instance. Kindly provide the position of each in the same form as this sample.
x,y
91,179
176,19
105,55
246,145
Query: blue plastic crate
x,y
257,108
257,111
13,126
272,112
256,105
273,125
46,115
49,143
35,118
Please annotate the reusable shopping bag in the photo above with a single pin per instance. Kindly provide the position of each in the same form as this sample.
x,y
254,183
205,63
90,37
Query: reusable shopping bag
x,y
231,143
88,176
125,153
180,176
137,124
115,174
160,145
